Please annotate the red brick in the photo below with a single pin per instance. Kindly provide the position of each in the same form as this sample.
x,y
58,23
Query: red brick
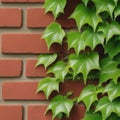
x,y
10,68
10,17
32,71
36,112
22,0
11,112
26,90
21,91
26,43
36,17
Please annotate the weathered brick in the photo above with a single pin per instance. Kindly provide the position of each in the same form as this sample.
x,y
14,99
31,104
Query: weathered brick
x,y
32,71
11,112
36,18
26,43
10,68
10,17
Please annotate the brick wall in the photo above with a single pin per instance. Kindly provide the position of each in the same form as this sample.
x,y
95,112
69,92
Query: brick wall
x,y
21,25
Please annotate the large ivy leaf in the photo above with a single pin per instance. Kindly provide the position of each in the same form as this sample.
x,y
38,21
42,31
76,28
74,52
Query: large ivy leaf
x,y
46,59
59,69
60,104
74,41
56,6
88,96
113,90
113,47
105,5
84,15
106,107
83,63
117,10
53,34
48,85
92,116
109,70
91,38
110,29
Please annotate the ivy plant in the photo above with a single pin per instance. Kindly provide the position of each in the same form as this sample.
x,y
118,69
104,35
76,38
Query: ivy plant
x,y
98,24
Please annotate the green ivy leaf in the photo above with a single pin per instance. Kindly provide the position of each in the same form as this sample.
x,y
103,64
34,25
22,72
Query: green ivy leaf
x,y
48,85
59,69
113,90
109,70
85,2
84,15
91,38
115,1
84,63
104,5
46,59
113,47
117,10
92,116
60,104
106,107
110,29
88,96
74,41
53,34
56,6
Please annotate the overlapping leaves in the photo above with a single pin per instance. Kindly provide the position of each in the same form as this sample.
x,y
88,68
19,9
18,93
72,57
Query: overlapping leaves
x,y
84,15
56,6
53,34
84,63
109,70
60,104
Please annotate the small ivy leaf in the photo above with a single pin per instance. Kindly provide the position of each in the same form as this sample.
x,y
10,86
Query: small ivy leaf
x,y
117,10
48,85
113,90
113,116
92,116
110,29
59,69
46,59
88,96
84,15
53,34
60,104
105,5
109,70
85,2
91,38
115,1
84,63
106,107
113,47
74,41
56,6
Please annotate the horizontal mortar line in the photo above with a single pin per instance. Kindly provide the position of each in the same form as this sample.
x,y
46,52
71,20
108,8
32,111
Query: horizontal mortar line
x,y
20,79
21,5
26,102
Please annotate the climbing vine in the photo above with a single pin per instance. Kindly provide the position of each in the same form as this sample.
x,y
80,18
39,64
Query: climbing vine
x,y
98,24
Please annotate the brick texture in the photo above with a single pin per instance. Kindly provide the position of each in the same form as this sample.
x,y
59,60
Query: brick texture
x,y
11,112
10,17
22,23
26,43
10,68
36,18
36,112
32,71
22,1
